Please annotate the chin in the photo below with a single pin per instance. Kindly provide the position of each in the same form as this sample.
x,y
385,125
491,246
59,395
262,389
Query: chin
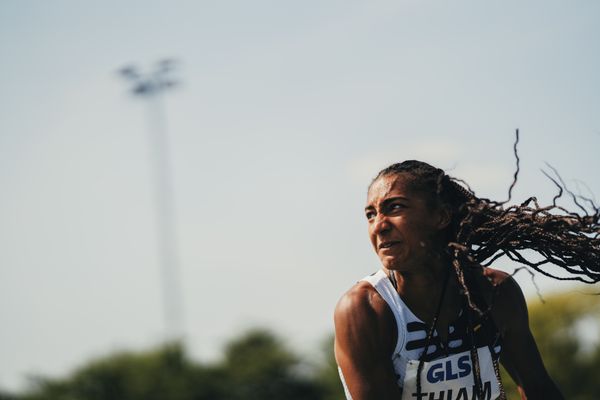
x,y
398,264
392,264
394,267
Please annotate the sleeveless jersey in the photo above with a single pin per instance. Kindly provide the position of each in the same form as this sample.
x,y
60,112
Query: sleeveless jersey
x,y
447,371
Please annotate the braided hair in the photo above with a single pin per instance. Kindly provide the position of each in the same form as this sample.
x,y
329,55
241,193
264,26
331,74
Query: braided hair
x,y
482,230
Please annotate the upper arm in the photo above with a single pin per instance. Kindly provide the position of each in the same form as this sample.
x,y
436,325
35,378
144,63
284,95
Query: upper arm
x,y
520,354
364,343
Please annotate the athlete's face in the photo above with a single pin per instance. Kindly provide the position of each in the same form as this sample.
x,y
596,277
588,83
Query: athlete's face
x,y
403,226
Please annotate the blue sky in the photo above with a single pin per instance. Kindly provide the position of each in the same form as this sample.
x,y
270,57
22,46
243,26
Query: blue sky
x,y
284,113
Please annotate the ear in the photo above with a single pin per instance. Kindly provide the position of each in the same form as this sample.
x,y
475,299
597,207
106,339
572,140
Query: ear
x,y
444,217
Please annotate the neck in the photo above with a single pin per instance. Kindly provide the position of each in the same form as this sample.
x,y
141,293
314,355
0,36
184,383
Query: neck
x,y
424,293
428,280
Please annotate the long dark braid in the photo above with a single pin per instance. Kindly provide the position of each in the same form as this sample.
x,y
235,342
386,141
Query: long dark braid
x,y
482,230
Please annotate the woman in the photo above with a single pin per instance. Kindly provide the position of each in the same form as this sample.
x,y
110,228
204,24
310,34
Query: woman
x,y
433,323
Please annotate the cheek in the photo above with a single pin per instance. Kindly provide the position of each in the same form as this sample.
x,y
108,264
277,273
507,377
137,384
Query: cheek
x,y
372,237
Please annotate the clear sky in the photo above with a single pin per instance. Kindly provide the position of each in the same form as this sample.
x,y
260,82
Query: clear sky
x,y
285,111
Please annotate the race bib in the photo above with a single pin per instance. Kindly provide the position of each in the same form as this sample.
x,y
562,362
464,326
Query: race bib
x,y
451,378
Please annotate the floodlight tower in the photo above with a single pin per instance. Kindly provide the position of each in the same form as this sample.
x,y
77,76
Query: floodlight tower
x,y
151,86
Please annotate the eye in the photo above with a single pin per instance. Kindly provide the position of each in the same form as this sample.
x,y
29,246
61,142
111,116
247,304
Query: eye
x,y
396,206
370,214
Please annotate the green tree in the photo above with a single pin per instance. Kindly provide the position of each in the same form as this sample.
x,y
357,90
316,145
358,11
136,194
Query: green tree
x,y
259,366
256,365
159,374
327,375
7,396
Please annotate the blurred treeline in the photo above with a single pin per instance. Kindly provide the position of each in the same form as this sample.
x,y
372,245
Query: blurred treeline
x,y
256,365
259,365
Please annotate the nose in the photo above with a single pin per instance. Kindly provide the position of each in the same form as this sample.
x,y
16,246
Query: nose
x,y
380,225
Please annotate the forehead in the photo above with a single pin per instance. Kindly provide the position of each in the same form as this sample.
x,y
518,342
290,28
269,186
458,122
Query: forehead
x,y
390,186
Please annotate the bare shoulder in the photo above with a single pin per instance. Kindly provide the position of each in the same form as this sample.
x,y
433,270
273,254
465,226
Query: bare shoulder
x,y
499,284
361,304
504,295
506,289
362,294
363,316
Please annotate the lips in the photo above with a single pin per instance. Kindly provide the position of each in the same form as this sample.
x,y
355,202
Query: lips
x,y
387,245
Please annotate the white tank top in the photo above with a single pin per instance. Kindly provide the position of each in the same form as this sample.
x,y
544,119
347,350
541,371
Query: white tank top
x,y
447,371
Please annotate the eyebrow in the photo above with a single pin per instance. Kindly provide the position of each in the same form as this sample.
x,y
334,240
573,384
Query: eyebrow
x,y
388,200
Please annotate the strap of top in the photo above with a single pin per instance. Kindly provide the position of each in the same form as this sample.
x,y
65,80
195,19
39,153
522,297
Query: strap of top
x,y
379,280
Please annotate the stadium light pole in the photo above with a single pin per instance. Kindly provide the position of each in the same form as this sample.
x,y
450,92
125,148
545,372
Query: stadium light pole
x,y
151,87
